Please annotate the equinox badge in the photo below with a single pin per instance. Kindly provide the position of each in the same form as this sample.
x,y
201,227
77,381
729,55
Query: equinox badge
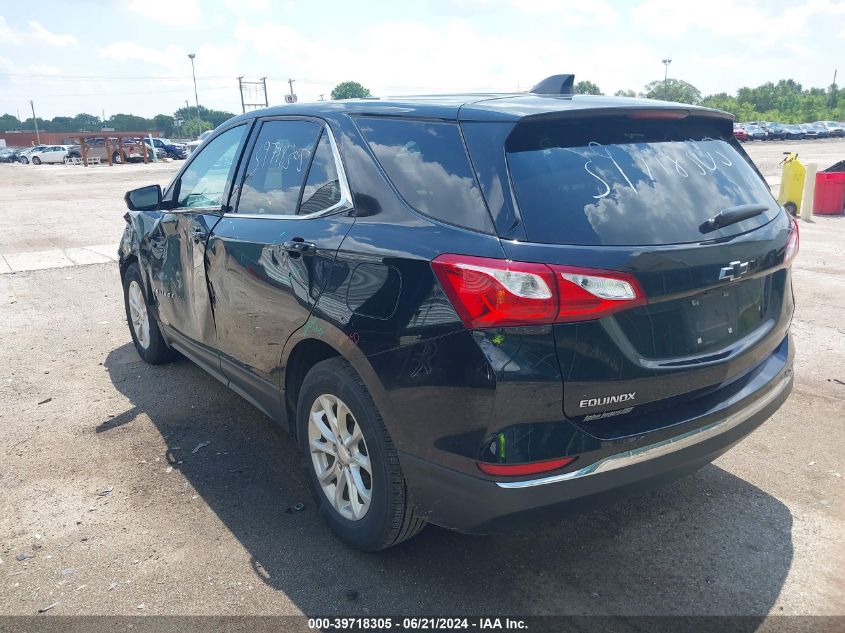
x,y
598,402
734,270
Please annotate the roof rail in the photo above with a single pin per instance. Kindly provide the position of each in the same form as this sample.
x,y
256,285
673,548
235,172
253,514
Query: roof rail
x,y
555,85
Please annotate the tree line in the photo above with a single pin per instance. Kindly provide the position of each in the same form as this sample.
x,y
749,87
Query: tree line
x,y
184,122
786,101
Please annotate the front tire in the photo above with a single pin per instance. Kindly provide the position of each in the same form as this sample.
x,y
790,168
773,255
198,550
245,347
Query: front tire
x,y
24,160
352,466
36,160
148,340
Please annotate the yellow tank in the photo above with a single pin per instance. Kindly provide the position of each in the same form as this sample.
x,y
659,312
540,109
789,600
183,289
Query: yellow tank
x,y
792,183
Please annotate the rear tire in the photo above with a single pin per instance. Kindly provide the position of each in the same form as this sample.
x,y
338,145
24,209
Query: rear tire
x,y
389,517
148,340
117,158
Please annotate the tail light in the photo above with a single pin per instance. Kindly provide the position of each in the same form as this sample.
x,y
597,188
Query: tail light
x,y
528,468
791,244
589,294
494,292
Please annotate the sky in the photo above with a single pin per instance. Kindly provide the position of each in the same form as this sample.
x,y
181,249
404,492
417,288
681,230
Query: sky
x,y
131,56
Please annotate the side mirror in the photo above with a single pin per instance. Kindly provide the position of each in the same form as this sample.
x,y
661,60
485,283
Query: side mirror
x,y
144,199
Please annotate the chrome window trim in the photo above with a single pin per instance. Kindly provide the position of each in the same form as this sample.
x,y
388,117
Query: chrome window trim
x,y
665,447
344,203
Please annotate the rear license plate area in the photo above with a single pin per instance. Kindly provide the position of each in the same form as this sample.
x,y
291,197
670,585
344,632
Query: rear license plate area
x,y
724,315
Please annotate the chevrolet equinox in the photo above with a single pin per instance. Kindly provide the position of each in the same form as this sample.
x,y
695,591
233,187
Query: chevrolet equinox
x,y
474,310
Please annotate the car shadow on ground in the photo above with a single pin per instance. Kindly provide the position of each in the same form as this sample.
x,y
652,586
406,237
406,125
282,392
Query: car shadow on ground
x,y
708,544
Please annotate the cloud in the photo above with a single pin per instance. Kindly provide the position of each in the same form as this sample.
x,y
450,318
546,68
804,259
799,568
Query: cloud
x,y
36,34
575,12
185,13
736,19
406,57
41,35
126,50
8,35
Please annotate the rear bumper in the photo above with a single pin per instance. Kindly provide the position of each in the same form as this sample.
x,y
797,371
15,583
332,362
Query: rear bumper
x,y
479,506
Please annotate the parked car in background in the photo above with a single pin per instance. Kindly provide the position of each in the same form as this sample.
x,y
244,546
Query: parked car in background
x,y
358,270
169,149
739,133
810,130
755,133
130,150
821,130
793,132
193,145
50,154
98,149
833,128
8,155
775,132
26,153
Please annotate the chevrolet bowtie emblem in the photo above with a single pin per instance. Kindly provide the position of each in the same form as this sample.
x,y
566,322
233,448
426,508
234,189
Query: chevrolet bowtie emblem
x,y
734,270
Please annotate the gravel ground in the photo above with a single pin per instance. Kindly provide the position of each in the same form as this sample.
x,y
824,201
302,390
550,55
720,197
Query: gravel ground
x,y
131,489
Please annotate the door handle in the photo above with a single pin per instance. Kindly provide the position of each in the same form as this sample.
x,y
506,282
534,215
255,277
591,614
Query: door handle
x,y
297,245
198,234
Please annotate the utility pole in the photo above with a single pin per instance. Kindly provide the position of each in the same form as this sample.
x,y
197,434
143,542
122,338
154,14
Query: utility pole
x,y
194,73
290,83
35,123
321,96
253,90
666,63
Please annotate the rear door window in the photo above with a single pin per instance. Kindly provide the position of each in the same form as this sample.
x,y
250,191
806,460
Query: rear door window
x,y
278,166
619,181
322,186
427,163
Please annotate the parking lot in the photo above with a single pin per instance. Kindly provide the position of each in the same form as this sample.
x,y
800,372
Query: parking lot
x,y
133,489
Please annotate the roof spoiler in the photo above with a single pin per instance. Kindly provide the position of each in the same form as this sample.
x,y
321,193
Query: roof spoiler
x,y
555,85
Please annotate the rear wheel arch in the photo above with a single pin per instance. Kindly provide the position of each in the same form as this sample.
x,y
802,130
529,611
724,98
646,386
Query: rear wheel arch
x,y
304,355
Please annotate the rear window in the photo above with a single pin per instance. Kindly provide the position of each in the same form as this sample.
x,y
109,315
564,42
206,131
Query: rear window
x,y
427,163
618,181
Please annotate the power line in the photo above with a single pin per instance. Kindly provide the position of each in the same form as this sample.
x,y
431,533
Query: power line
x,y
6,97
64,77
306,80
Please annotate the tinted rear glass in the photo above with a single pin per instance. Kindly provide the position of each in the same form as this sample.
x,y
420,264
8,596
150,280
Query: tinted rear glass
x,y
427,163
619,181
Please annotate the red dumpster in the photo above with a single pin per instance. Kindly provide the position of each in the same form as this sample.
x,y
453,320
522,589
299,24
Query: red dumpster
x,y
829,198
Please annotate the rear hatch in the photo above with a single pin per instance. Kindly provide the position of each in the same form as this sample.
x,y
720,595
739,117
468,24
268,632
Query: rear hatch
x,y
633,192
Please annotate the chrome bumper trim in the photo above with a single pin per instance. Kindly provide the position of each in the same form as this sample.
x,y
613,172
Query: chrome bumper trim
x,y
658,449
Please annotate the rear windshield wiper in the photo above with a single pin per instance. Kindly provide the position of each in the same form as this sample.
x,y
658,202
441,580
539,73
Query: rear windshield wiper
x,y
732,215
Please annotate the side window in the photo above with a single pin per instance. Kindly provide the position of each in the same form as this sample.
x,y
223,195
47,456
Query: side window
x,y
428,164
277,167
322,187
203,183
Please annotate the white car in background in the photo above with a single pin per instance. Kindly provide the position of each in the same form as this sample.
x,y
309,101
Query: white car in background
x,y
50,154
193,145
28,152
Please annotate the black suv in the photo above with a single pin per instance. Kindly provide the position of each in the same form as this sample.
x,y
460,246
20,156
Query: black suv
x,y
479,309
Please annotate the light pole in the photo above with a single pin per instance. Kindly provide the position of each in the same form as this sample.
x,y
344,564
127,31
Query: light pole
x,y
35,123
194,73
666,63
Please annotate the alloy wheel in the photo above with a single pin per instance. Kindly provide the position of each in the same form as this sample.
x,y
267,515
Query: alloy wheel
x,y
340,457
138,314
